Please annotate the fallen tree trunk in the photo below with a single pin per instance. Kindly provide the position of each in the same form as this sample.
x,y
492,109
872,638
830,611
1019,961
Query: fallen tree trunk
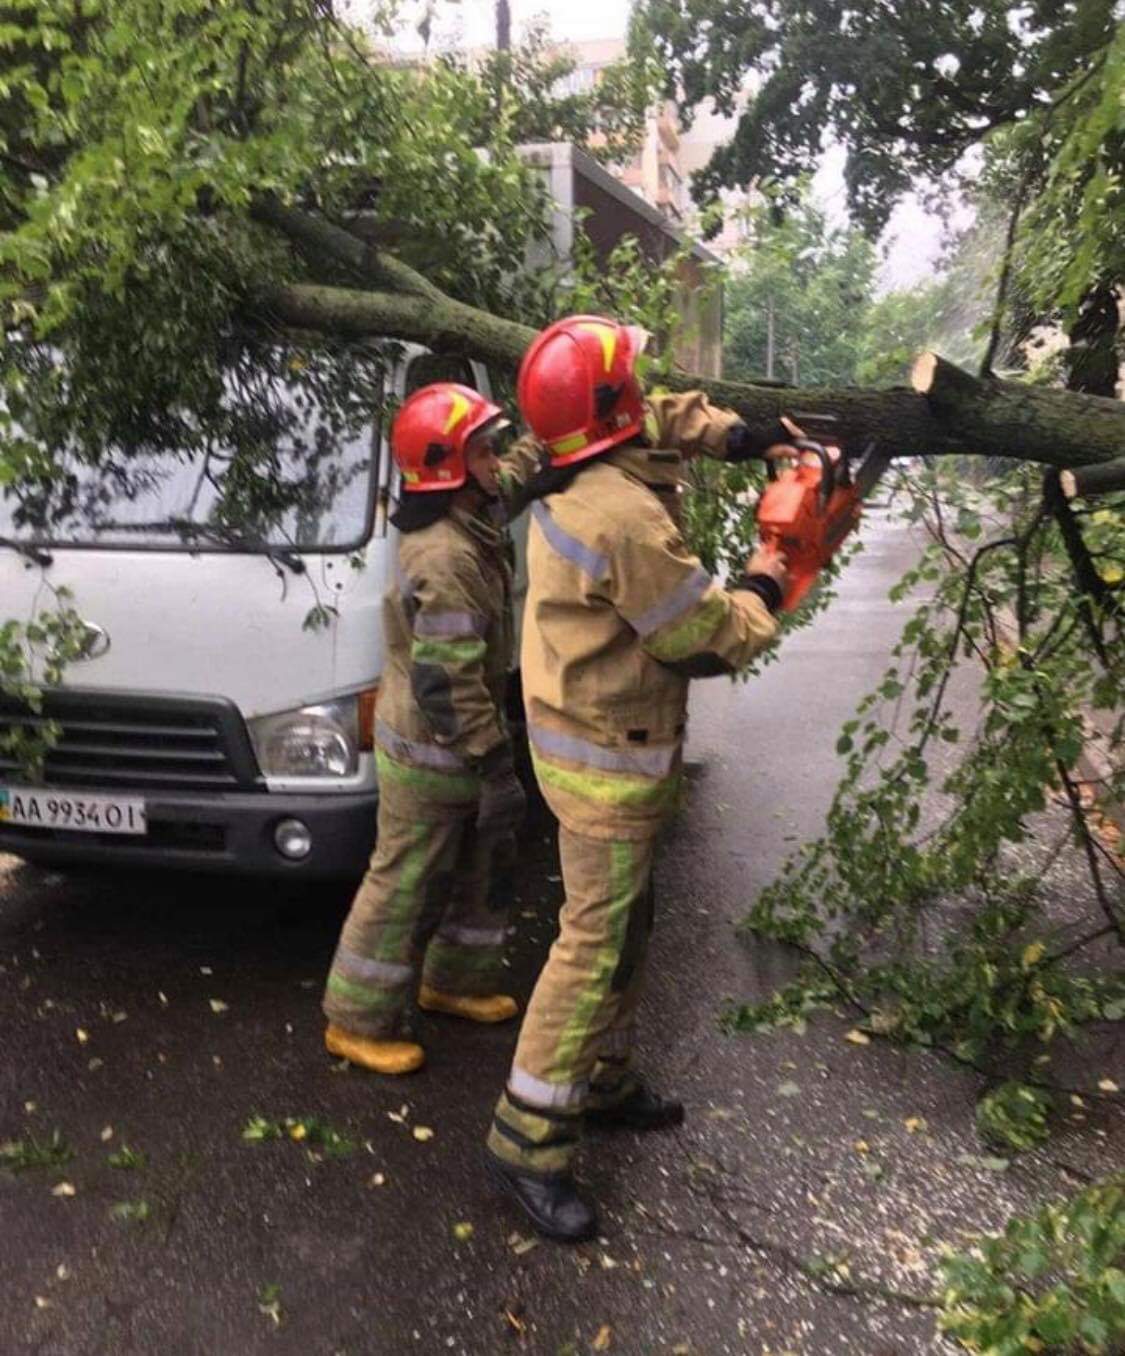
x,y
1008,419
947,412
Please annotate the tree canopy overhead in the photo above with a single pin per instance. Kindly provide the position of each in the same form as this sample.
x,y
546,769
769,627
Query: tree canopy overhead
x,y
905,88
177,175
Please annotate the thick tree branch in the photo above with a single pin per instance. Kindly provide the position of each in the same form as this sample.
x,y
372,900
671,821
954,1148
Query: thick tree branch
x,y
1007,419
949,412
319,239
450,327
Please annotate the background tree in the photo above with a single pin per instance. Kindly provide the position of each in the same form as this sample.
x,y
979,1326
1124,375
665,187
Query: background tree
x,y
797,299
907,91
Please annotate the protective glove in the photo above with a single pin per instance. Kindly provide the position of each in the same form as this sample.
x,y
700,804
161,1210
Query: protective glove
x,y
503,801
765,574
745,445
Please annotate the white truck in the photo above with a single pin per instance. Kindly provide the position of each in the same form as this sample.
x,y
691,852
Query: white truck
x,y
207,725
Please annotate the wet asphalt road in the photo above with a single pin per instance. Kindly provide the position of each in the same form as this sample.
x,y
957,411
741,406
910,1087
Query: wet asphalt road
x,y
164,1014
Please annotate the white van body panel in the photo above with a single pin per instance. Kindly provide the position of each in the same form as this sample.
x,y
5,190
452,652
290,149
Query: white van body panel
x,y
228,627
215,623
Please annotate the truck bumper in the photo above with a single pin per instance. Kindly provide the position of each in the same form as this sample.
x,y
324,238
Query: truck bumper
x,y
222,833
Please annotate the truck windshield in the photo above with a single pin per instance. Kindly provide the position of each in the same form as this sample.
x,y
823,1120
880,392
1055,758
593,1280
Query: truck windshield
x,y
285,458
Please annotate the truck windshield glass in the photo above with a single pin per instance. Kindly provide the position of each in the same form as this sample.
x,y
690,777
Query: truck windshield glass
x,y
281,454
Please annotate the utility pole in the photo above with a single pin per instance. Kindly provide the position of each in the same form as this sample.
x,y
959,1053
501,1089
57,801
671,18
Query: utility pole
x,y
503,26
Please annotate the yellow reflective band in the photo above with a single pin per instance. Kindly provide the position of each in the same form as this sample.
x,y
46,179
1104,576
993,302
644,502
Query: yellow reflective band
x,y
411,477
575,443
607,789
449,787
688,637
607,336
457,413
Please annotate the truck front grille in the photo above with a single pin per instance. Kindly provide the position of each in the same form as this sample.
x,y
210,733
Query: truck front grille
x,y
122,740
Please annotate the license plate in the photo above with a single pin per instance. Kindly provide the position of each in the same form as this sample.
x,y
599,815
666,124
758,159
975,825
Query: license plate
x,y
77,811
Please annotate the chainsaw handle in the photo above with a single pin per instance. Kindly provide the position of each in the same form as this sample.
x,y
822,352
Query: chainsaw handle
x,y
827,467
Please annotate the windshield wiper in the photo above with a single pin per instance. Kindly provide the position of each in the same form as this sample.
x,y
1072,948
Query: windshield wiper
x,y
36,554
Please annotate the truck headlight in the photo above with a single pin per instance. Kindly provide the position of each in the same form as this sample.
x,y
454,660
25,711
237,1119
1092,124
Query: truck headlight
x,y
312,741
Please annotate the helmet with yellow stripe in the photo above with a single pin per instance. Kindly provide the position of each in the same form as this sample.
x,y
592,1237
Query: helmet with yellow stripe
x,y
432,430
578,390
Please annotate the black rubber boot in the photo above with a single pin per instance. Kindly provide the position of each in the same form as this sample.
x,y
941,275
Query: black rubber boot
x,y
551,1202
641,1110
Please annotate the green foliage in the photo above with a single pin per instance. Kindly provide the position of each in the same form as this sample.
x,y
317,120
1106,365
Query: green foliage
x,y
1052,1281
131,1212
316,1135
127,1159
807,284
1072,237
135,141
34,653
533,98
631,286
1013,1116
906,97
29,1153
912,899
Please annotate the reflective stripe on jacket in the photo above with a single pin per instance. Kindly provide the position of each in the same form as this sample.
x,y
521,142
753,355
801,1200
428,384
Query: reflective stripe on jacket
x,y
620,615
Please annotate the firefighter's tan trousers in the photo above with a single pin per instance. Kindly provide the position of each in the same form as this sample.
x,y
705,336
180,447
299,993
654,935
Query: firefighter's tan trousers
x,y
575,1043
436,899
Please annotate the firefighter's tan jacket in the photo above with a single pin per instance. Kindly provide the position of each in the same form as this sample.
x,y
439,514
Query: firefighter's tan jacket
x,y
620,616
448,633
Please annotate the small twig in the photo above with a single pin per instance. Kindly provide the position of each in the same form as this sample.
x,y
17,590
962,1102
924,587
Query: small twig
x,y
1056,956
1090,847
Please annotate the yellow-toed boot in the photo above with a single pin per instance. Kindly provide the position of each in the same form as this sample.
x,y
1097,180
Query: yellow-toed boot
x,y
381,1056
493,1007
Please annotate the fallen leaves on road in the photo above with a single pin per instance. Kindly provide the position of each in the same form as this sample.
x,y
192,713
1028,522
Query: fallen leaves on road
x,y
131,1212
1108,1085
857,1037
604,1340
463,1231
915,1125
81,1036
423,1133
217,1005
269,1304
309,1131
64,1189
521,1245
985,1162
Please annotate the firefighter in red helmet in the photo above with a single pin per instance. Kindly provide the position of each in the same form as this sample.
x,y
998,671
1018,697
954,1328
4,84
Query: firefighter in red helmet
x,y
620,616
429,919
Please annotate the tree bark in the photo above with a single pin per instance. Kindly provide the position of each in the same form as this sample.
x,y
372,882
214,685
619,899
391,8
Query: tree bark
x,y
446,326
1030,423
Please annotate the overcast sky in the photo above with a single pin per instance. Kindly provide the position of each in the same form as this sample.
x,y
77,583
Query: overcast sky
x,y
913,238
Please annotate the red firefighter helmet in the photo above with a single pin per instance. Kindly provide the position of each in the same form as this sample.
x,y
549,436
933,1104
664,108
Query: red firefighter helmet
x,y
432,430
578,389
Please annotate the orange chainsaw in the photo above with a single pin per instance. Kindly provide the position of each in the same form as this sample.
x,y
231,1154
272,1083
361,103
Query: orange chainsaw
x,y
808,508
